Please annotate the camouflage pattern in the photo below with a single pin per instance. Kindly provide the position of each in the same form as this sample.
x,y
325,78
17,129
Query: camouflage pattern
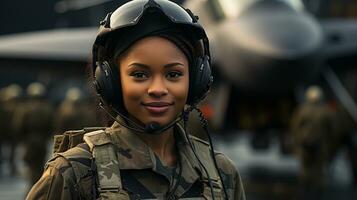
x,y
143,174
106,161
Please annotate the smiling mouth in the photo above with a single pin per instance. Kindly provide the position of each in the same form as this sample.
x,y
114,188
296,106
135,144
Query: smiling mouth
x,y
157,107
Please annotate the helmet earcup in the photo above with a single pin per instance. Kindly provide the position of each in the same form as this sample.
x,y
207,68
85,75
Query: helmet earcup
x,y
201,80
107,84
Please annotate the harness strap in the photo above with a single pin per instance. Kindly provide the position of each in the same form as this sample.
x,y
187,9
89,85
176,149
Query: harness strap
x,y
135,187
196,190
106,161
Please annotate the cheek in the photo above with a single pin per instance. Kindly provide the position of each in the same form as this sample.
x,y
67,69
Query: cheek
x,y
181,91
130,91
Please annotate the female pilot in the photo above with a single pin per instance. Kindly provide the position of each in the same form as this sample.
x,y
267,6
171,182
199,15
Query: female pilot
x,y
151,66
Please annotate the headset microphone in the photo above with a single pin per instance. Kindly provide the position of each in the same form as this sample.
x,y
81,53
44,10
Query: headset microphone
x,y
152,127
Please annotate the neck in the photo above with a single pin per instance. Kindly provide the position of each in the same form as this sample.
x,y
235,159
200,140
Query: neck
x,y
162,144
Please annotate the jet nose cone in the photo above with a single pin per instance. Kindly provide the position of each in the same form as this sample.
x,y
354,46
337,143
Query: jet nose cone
x,y
270,47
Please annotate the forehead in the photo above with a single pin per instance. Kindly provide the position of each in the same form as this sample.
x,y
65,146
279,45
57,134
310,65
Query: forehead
x,y
152,40
154,48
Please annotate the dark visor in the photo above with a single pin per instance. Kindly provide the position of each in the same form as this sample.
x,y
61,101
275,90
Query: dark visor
x,y
130,13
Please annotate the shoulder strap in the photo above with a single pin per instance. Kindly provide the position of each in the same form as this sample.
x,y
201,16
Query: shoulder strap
x,y
97,148
106,161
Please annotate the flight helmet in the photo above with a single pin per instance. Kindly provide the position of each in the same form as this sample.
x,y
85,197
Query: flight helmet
x,y
138,19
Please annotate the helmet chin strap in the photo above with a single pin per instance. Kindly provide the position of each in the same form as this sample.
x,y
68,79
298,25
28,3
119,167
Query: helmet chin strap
x,y
153,128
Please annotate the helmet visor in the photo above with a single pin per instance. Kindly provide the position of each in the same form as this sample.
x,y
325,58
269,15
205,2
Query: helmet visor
x,y
130,13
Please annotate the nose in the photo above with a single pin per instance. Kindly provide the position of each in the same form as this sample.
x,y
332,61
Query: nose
x,y
157,87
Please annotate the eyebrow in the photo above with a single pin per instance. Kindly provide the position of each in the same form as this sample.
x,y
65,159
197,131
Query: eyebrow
x,y
147,66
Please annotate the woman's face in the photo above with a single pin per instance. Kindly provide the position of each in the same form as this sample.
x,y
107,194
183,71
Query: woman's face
x,y
155,80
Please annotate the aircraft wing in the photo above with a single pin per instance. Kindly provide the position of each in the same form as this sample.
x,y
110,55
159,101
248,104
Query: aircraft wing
x,y
59,44
341,38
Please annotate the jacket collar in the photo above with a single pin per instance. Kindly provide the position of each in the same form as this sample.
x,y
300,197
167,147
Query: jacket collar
x,y
133,153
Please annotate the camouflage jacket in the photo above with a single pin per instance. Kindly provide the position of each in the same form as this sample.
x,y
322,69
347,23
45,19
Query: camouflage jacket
x,y
143,175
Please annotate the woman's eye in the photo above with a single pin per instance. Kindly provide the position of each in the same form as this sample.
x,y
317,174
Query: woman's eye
x,y
139,75
174,75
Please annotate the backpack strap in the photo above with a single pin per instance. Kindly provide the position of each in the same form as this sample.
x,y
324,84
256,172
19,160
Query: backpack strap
x,y
70,139
106,160
68,146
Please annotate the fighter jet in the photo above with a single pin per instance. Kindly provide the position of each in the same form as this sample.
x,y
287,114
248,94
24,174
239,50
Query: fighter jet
x,y
258,45
263,51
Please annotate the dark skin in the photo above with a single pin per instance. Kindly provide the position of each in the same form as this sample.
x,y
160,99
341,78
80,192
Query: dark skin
x,y
155,80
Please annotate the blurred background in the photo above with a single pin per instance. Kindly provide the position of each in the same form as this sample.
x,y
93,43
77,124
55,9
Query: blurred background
x,y
282,107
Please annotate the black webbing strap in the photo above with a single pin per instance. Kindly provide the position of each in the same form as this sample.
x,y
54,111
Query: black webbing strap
x,y
134,187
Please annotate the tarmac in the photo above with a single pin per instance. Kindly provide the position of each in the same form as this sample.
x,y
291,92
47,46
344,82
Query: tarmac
x,y
12,188
268,174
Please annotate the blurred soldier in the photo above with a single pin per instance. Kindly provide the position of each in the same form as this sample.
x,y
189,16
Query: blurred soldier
x,y
75,113
34,121
312,128
2,117
10,98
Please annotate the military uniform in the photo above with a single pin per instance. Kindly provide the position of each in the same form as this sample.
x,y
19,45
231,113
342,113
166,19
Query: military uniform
x,y
2,127
34,120
10,100
74,174
75,115
313,130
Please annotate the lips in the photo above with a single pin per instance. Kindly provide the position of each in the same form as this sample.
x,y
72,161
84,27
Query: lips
x,y
157,107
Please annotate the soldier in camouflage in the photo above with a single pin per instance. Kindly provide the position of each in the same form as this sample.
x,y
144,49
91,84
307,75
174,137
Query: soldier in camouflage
x,y
34,121
152,66
10,100
75,112
313,130
72,174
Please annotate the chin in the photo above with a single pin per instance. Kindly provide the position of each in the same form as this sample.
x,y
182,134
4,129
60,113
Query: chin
x,y
162,121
